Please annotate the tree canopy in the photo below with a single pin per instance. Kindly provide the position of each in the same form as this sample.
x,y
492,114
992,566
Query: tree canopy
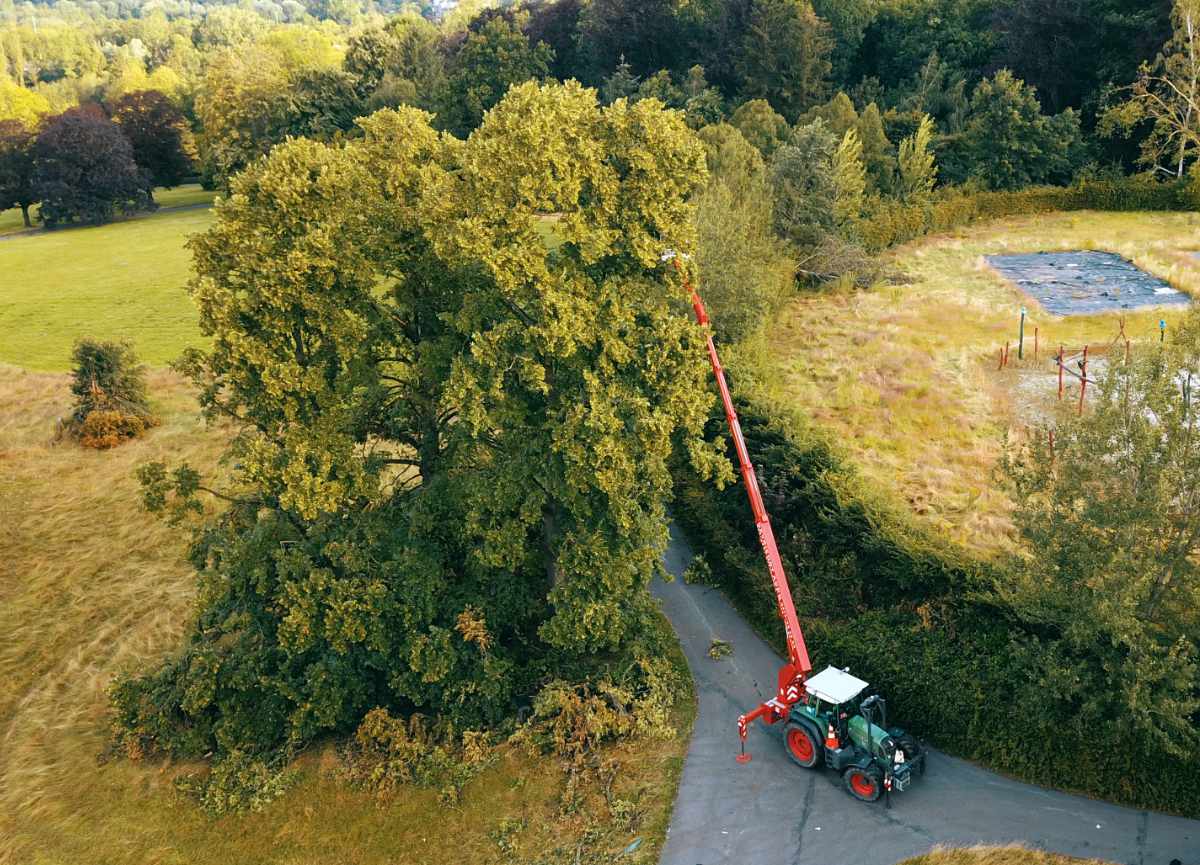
x,y
452,466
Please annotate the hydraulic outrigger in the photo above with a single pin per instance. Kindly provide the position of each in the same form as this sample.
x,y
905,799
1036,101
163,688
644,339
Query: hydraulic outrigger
x,y
825,714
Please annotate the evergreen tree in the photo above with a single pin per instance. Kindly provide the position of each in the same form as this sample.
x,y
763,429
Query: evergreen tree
x,y
918,167
785,56
850,181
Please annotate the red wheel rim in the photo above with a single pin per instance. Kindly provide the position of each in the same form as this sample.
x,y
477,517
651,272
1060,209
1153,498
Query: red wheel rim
x,y
800,745
862,784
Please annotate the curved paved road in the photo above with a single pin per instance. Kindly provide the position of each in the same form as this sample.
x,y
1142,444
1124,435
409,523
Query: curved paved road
x,y
769,812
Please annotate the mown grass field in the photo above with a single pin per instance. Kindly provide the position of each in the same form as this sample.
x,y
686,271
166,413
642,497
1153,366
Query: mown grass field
x,y
126,280
903,377
91,584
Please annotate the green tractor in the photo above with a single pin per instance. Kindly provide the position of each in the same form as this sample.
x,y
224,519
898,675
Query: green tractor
x,y
836,726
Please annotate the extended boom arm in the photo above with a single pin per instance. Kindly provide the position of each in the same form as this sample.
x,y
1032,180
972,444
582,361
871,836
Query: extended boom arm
x,y
792,674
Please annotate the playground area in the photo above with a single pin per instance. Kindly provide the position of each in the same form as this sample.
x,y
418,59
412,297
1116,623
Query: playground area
x,y
918,381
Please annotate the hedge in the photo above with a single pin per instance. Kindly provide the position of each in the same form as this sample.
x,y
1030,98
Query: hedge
x,y
892,222
900,612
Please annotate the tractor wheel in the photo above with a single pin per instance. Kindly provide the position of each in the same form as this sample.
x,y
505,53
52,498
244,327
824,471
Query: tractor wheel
x,y
801,745
911,747
865,785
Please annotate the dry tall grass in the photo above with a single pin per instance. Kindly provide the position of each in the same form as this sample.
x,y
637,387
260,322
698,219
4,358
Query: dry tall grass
x,y
89,584
996,856
905,376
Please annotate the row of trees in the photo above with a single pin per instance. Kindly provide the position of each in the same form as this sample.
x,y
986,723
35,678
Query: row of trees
x,y
246,82
87,164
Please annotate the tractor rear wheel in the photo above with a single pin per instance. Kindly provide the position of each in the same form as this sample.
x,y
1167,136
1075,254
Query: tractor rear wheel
x,y
801,745
911,748
865,785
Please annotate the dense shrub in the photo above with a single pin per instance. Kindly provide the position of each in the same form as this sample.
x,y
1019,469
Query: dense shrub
x,y
109,387
237,782
388,752
877,596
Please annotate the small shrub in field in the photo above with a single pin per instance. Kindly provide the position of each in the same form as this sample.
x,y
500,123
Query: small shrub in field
x,y
110,395
107,429
237,782
389,752
571,720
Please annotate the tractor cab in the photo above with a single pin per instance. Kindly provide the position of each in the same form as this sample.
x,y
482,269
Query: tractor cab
x,y
839,721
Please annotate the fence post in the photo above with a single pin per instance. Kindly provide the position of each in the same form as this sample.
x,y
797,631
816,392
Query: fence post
x,y
1021,337
1083,379
1127,351
1007,345
1060,373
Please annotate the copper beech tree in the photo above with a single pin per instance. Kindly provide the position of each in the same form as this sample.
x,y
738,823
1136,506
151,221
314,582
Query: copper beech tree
x,y
451,465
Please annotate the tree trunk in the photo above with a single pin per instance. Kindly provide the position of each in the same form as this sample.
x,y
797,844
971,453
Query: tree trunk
x,y
25,215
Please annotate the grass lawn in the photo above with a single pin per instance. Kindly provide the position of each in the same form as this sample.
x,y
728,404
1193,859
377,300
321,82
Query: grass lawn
x,y
996,856
92,585
904,376
125,280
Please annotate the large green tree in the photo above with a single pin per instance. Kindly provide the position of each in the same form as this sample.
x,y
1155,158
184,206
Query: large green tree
x,y
494,56
451,469
1109,584
1009,143
785,56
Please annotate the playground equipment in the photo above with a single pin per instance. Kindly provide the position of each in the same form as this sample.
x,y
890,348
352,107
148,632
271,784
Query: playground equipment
x,y
829,720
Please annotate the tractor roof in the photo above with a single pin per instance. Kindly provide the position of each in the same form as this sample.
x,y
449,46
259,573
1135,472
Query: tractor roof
x,y
835,686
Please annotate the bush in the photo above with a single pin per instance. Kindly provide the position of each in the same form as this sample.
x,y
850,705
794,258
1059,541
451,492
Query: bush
x,y
237,782
881,597
110,395
572,719
388,752
107,429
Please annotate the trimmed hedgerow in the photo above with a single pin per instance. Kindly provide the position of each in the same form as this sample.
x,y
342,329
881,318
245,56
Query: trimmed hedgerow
x,y
892,222
916,619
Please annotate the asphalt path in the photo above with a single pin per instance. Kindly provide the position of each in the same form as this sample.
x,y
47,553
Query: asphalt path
x,y
771,812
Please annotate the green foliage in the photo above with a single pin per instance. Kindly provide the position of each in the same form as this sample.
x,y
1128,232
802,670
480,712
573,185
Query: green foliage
x,y
918,168
761,125
451,467
803,185
744,268
490,60
387,753
1164,97
785,56
838,113
572,720
877,150
24,106
237,782
1110,518
1009,144
106,376
849,180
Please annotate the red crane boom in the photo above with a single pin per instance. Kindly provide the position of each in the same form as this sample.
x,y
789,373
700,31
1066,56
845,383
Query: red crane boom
x,y
792,674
